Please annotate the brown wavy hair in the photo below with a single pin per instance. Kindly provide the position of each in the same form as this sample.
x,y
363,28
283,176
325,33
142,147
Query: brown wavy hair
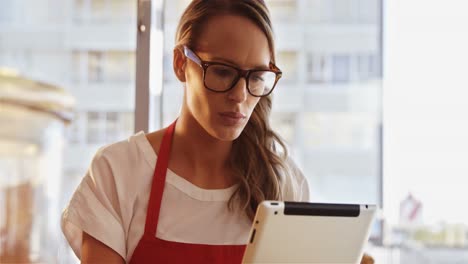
x,y
260,167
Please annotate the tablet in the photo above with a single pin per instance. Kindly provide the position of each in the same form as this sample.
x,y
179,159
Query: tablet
x,y
298,232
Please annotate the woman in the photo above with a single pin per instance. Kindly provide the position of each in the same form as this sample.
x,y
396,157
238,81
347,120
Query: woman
x,y
188,193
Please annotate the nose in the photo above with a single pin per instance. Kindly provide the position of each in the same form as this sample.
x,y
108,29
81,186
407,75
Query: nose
x,y
239,92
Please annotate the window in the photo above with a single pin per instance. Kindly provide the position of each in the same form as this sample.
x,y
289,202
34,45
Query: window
x,y
96,126
89,12
108,66
99,11
287,62
343,12
78,67
95,66
76,130
318,68
119,66
367,67
7,12
324,109
340,68
88,48
80,10
108,127
113,126
283,9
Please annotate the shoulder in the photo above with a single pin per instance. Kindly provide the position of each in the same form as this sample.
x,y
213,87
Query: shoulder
x,y
122,168
121,149
119,175
155,139
132,151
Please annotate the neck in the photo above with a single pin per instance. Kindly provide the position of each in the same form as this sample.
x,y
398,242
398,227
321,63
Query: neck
x,y
199,157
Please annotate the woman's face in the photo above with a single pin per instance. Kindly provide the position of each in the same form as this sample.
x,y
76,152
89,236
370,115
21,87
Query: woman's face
x,y
236,41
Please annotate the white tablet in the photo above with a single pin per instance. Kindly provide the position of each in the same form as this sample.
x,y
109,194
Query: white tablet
x,y
293,232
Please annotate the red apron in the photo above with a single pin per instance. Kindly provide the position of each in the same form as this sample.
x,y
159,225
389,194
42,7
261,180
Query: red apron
x,y
151,249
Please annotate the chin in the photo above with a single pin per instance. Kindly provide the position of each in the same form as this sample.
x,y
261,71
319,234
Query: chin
x,y
227,133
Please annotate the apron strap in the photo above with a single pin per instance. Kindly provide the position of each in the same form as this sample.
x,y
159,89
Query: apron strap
x,y
159,180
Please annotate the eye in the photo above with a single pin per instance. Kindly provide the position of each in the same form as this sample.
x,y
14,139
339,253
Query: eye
x,y
257,77
222,72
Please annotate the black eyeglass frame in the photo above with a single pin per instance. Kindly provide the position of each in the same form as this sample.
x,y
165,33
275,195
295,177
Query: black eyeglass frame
x,y
240,73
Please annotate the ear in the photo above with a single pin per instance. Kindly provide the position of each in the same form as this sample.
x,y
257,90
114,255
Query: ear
x,y
179,63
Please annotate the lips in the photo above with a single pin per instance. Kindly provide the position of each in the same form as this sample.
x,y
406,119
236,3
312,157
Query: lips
x,y
236,115
232,118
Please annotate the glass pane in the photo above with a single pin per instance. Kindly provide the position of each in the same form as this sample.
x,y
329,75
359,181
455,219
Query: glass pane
x,y
87,47
169,101
425,136
318,68
327,105
340,68
95,66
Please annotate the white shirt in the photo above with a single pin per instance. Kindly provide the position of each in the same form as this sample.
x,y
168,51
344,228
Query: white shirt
x,y
111,201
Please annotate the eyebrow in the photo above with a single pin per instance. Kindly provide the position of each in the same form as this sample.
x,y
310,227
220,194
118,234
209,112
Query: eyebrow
x,y
256,67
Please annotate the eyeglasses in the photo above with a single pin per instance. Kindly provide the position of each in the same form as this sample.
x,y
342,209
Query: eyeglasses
x,y
220,77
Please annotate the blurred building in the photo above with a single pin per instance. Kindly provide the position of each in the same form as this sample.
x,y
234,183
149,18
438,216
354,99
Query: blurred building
x,y
86,46
327,105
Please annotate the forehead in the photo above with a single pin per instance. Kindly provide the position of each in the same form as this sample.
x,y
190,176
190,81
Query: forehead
x,y
234,38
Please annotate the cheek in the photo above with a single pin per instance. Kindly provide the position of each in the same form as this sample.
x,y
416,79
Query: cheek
x,y
198,100
194,89
252,103
193,79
